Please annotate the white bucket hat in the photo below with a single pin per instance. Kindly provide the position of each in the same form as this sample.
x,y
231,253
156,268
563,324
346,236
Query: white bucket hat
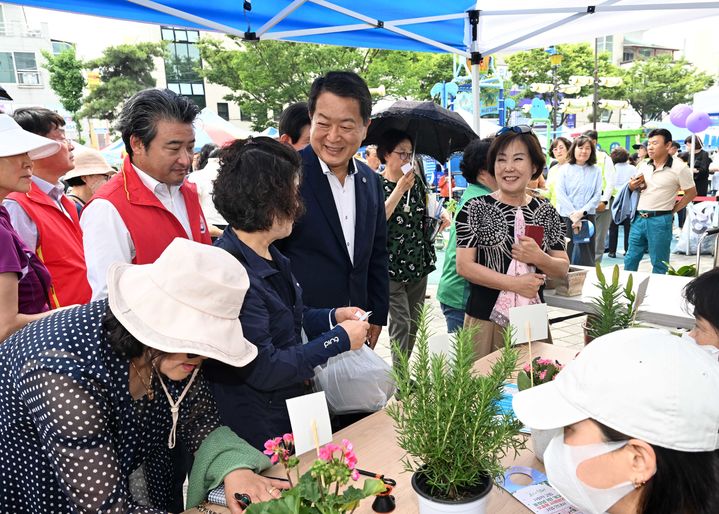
x,y
14,140
187,301
88,161
644,383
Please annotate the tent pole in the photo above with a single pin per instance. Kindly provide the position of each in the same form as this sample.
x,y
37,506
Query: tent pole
x,y
475,58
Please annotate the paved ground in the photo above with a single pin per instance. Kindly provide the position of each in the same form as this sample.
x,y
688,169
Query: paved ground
x,y
566,333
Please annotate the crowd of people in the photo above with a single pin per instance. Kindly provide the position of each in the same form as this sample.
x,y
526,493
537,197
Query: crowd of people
x,y
269,259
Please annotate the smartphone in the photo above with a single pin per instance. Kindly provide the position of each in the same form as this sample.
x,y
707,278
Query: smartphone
x,y
536,232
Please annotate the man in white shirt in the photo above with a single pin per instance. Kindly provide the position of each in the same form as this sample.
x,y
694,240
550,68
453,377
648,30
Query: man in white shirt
x,y
659,179
138,213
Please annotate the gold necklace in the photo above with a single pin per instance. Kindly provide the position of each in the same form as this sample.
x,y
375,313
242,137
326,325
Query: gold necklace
x,y
150,392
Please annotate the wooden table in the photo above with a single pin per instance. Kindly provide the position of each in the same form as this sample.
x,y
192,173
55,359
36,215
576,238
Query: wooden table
x,y
663,304
374,442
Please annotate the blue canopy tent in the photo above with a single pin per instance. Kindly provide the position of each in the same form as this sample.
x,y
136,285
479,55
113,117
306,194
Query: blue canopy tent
x,y
469,29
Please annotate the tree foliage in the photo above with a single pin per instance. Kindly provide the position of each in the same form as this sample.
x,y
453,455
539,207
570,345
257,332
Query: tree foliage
x,y
267,75
66,78
657,84
124,70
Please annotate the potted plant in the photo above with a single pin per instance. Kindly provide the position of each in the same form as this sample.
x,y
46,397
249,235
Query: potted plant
x,y
614,309
449,422
323,488
541,371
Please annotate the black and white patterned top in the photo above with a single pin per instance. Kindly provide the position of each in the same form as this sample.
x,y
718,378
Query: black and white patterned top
x,y
487,224
70,432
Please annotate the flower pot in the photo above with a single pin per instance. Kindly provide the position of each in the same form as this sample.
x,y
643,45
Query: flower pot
x,y
587,338
572,284
540,441
475,501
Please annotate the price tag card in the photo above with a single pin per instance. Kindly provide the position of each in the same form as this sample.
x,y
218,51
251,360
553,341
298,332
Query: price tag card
x,y
534,315
306,412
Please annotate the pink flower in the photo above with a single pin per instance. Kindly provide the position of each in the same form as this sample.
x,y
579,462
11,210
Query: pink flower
x,y
274,459
354,475
543,375
272,446
288,439
526,368
327,451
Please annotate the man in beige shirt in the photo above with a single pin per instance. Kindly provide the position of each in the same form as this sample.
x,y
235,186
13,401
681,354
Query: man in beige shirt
x,y
659,180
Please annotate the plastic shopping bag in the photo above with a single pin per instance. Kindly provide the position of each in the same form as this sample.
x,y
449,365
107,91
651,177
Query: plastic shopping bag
x,y
355,381
700,217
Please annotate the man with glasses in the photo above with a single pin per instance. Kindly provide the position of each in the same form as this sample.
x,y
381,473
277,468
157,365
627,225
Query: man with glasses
x,y
659,180
45,218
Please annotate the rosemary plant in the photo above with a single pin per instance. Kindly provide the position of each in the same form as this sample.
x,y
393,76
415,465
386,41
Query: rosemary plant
x,y
448,420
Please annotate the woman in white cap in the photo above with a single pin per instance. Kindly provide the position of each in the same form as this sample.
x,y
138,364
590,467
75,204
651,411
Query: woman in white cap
x,y
24,279
637,425
90,173
96,394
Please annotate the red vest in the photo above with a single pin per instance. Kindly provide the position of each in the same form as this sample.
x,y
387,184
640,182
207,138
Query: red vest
x,y
151,226
59,246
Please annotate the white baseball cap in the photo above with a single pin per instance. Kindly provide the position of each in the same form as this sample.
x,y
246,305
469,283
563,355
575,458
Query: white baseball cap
x,y
187,301
644,383
14,140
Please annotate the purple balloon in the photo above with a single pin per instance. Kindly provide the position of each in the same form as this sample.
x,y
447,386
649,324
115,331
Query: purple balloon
x,y
698,122
679,114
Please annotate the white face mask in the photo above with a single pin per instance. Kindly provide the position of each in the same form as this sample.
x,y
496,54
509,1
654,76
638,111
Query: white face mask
x,y
561,462
709,348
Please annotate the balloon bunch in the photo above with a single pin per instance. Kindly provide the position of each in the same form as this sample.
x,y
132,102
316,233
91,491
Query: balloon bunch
x,y
683,116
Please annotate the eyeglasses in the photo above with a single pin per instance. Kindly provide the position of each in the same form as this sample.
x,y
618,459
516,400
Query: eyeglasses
x,y
403,155
517,129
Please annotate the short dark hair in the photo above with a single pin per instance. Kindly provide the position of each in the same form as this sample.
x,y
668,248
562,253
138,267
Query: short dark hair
x,y
142,112
74,182
688,141
619,155
591,134
293,119
703,294
661,132
346,84
474,158
581,141
205,153
561,139
530,140
256,184
38,120
684,481
389,141
676,144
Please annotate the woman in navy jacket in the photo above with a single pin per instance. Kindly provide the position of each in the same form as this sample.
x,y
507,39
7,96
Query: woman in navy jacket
x,y
257,192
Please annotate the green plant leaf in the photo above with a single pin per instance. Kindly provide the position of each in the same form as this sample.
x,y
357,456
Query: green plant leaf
x,y
523,381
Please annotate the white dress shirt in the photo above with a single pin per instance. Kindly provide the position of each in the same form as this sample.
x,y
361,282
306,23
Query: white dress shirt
x,y
107,239
204,180
22,223
344,197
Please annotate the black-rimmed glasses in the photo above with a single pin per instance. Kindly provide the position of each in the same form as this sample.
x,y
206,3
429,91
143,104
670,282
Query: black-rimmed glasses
x,y
517,129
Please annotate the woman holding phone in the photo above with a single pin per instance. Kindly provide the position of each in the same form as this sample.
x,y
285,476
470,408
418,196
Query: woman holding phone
x,y
496,252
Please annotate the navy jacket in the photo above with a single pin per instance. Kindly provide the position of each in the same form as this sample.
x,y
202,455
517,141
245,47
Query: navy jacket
x,y
317,249
251,400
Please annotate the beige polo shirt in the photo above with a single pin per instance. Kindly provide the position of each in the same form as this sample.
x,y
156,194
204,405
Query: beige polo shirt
x,y
663,184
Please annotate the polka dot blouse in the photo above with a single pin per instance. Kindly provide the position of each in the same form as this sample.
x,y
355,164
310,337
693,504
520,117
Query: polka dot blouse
x,y
70,433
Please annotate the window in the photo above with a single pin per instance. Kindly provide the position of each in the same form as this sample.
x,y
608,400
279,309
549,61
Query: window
x,y
182,64
628,56
7,68
27,72
223,110
60,46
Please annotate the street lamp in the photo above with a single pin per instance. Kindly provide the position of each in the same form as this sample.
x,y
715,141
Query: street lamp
x,y
555,59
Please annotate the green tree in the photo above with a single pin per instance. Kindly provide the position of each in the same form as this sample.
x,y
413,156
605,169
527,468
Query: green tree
x,y
66,80
532,66
657,84
267,75
124,70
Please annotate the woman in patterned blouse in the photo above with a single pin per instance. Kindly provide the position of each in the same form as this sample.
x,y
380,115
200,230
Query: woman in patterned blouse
x,y
411,253
490,254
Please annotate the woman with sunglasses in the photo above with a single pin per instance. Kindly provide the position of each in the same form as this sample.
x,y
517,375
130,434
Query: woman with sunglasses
x,y
504,259
409,243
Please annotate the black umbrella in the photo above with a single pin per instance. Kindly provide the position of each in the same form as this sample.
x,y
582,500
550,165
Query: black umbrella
x,y
437,132
4,95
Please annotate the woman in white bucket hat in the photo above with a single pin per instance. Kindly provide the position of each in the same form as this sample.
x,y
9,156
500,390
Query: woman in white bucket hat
x,y
97,393
24,279
637,425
